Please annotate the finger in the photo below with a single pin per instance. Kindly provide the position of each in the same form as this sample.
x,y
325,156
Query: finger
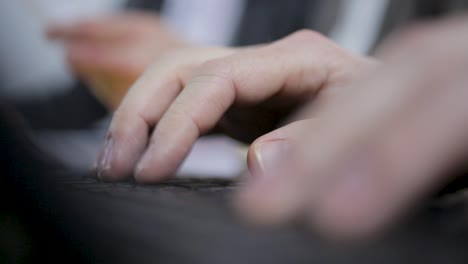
x,y
255,201
133,120
143,107
247,78
100,57
107,73
107,28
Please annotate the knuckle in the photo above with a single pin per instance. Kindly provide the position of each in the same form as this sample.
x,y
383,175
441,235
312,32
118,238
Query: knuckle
x,y
306,41
219,67
217,71
305,35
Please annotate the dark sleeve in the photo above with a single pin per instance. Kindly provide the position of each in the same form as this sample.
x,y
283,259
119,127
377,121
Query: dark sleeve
x,y
148,5
266,20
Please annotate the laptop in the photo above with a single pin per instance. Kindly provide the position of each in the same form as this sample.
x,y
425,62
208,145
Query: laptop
x,y
52,213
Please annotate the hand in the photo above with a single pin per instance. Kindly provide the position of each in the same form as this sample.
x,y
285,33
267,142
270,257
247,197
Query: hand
x,y
110,53
355,165
245,94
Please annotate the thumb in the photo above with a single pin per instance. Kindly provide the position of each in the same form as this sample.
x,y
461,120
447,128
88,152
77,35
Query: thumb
x,y
271,150
268,159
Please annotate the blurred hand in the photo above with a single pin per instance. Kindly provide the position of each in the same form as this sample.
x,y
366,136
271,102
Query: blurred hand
x,y
110,53
354,165
244,93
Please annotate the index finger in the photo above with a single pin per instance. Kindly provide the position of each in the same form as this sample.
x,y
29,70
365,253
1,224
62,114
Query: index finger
x,y
143,107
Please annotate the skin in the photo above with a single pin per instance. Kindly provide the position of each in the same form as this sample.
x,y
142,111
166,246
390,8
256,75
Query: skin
x,y
110,53
358,164
373,140
200,90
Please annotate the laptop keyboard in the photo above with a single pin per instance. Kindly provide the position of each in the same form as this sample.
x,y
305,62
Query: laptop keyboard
x,y
178,184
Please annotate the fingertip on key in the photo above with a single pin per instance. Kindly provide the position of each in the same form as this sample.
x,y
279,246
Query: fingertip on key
x,y
147,169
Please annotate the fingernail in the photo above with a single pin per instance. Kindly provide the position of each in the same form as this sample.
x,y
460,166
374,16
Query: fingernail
x,y
269,155
104,163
